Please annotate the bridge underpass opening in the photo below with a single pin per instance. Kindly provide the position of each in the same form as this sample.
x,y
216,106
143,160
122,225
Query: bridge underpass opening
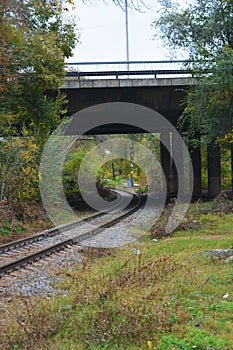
x,y
121,170
207,162
172,155
164,97
125,172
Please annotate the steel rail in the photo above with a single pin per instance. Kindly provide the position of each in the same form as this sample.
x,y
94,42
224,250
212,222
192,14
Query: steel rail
x,y
46,233
52,231
22,262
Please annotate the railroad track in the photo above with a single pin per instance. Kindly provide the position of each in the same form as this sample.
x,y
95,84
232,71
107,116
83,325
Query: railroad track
x,y
18,254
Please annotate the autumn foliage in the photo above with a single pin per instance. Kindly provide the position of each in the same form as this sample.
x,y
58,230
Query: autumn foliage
x,y
35,39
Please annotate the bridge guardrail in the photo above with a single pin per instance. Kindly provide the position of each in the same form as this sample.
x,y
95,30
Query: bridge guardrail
x,y
123,69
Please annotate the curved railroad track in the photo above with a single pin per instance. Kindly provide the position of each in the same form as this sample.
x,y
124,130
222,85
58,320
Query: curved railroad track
x,y
18,254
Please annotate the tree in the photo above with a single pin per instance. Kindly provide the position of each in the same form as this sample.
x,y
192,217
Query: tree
x,y
19,170
40,40
35,40
8,72
204,30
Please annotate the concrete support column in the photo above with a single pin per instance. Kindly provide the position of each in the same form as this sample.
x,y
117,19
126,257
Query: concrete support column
x,y
214,169
195,155
177,153
165,159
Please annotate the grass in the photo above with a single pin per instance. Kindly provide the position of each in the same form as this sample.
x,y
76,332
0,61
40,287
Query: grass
x,y
8,228
167,298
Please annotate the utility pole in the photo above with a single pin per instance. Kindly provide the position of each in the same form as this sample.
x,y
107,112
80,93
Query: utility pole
x,y
127,33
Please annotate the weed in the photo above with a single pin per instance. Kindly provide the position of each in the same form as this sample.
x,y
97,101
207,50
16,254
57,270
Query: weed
x,y
194,339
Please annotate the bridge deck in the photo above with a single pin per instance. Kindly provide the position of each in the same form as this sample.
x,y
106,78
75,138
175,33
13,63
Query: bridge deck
x,y
72,82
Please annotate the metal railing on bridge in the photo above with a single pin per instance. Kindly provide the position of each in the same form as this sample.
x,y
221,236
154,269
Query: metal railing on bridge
x,y
126,70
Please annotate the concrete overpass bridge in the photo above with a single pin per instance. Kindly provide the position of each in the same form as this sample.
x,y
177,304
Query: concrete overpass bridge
x,y
159,85
155,84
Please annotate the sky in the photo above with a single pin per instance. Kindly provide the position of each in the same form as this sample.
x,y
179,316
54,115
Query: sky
x,y
102,34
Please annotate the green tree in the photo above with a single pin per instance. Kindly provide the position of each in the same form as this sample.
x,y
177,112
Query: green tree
x,y
41,39
204,29
8,71
35,40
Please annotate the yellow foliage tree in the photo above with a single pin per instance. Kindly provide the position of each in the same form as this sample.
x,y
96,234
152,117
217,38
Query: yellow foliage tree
x,y
19,171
